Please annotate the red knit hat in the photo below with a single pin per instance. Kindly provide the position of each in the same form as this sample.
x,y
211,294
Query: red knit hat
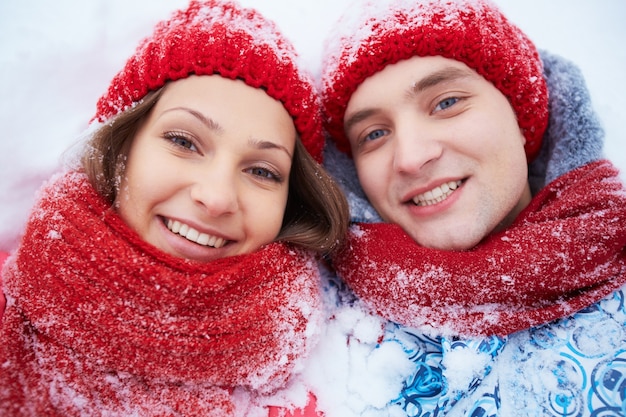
x,y
220,37
474,32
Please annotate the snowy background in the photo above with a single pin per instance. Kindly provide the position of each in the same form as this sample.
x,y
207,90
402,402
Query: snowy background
x,y
57,58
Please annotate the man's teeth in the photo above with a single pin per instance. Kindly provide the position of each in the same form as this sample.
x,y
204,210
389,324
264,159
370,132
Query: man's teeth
x,y
437,194
193,235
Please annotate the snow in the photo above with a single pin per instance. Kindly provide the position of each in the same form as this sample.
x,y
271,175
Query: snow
x,y
351,373
58,58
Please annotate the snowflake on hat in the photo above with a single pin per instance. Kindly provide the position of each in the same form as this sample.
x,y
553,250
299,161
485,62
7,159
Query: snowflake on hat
x,y
219,37
474,32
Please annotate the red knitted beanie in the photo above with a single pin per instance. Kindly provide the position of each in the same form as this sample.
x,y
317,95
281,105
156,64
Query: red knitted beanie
x,y
219,37
474,32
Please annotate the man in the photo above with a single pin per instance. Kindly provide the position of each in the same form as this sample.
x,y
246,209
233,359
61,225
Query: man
x,y
442,107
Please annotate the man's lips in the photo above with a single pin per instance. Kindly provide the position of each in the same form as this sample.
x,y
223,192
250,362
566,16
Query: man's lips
x,y
437,194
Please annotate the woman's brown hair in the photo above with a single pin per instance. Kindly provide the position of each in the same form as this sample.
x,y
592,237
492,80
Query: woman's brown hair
x,y
316,216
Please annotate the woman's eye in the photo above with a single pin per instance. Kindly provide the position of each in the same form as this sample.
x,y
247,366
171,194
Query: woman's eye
x,y
180,140
445,103
185,143
265,173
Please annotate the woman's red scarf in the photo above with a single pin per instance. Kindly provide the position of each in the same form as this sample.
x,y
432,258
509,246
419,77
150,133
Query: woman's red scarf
x,y
98,322
564,252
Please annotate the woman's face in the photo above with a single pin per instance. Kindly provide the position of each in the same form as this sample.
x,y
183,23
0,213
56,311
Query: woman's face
x,y
207,174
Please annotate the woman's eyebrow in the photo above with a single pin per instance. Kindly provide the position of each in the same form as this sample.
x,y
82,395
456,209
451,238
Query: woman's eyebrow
x,y
215,126
268,144
205,120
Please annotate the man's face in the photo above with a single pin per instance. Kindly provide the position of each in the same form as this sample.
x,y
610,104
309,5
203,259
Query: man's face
x,y
438,151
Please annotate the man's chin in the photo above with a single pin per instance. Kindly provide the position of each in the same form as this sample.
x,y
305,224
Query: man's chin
x,y
449,240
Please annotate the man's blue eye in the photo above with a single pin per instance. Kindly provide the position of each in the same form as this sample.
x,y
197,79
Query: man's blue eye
x,y
376,134
445,103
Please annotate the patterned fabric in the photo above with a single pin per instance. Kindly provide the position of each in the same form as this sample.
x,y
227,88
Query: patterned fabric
x,y
575,366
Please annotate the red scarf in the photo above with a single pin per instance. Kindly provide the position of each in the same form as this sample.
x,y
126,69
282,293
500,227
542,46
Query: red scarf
x,y
564,252
98,322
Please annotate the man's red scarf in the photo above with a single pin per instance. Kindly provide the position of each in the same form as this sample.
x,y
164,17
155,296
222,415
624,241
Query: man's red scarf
x,y
565,251
98,322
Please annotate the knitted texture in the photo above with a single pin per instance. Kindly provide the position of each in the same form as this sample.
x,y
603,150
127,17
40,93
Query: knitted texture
x,y
574,138
99,322
219,37
474,32
534,272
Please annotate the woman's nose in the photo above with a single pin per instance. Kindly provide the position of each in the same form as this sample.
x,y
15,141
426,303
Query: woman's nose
x,y
217,194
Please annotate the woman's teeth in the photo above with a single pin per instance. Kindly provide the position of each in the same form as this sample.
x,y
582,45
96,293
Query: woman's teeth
x,y
437,194
193,235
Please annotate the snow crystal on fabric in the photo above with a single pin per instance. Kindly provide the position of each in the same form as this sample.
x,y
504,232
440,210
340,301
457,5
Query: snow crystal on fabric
x,y
473,32
101,320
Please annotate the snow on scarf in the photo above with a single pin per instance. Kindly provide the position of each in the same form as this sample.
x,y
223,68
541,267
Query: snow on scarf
x,y
98,322
565,251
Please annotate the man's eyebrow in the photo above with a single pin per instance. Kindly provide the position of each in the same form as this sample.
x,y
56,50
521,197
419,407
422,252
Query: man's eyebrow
x,y
433,79
357,117
443,75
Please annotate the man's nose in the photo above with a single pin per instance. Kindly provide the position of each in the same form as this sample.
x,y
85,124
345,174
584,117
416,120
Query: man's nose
x,y
415,146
